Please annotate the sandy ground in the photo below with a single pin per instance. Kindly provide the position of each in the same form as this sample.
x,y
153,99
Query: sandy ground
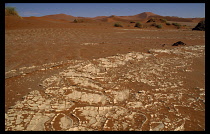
x,y
97,77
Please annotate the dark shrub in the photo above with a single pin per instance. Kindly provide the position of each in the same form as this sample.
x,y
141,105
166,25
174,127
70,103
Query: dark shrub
x,y
132,21
78,21
167,23
176,24
151,20
153,24
118,25
139,25
178,27
159,26
163,20
75,21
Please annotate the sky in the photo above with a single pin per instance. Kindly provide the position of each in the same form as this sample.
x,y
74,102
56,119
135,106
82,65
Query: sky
x,y
185,10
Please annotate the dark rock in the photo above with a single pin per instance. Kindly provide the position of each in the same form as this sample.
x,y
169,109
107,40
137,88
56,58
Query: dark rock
x,y
179,43
200,26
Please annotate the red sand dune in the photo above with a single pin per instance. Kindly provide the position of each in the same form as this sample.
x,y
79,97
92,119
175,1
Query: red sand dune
x,y
52,20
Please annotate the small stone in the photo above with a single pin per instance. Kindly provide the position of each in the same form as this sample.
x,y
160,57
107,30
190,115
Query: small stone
x,y
18,94
179,43
141,91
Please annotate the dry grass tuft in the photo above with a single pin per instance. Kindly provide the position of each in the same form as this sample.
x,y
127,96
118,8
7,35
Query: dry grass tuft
x,y
11,11
118,25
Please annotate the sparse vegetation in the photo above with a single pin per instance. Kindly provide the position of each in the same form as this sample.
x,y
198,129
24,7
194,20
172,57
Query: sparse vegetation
x,y
112,16
132,21
177,25
159,26
11,11
163,20
139,25
78,20
118,25
167,23
75,21
151,20
153,24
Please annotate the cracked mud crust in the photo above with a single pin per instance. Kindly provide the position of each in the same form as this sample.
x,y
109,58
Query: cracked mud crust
x,y
135,91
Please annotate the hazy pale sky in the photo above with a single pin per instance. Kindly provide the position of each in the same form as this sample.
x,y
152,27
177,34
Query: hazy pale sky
x,y
187,10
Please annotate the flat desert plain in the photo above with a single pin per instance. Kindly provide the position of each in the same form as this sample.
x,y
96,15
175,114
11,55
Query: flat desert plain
x,y
62,76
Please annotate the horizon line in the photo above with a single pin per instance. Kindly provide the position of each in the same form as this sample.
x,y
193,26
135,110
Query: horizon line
x,y
112,15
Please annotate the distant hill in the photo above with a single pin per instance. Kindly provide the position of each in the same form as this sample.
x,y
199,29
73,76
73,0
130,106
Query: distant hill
x,y
113,18
138,17
60,17
144,17
12,22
